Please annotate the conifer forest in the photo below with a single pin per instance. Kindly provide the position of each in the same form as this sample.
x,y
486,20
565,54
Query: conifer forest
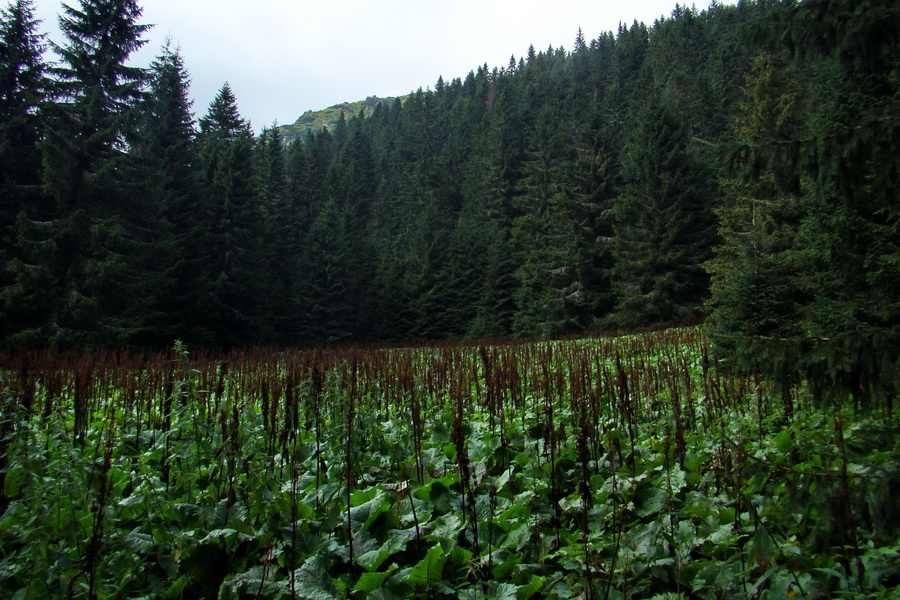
x,y
609,322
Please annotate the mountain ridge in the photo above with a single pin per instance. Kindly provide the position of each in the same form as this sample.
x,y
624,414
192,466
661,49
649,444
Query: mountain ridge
x,y
314,120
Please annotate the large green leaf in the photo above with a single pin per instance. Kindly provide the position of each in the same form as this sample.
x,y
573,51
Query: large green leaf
x,y
518,537
649,501
531,588
312,580
429,569
396,542
369,582
14,479
365,514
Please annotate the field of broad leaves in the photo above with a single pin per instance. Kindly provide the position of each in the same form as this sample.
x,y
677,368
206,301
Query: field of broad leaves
x,y
629,467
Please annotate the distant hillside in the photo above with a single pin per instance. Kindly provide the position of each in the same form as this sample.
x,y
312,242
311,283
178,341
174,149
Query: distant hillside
x,y
313,120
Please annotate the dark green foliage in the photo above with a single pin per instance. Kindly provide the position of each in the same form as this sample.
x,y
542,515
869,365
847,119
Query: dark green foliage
x,y
564,192
663,225
478,276
754,291
851,239
234,275
284,221
80,246
327,281
539,245
164,163
830,218
23,89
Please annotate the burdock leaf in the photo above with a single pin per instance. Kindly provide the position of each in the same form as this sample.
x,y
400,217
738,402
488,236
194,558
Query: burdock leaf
x,y
531,588
649,500
429,569
312,581
369,582
15,477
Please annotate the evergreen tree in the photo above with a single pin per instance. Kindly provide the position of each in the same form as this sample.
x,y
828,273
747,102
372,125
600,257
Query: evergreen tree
x,y
164,152
849,240
23,90
806,284
83,253
233,234
754,291
351,183
478,273
629,82
677,56
327,282
663,225
283,249
592,181
539,234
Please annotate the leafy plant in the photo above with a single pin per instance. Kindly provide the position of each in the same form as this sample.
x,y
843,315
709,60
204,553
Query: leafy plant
x,y
630,467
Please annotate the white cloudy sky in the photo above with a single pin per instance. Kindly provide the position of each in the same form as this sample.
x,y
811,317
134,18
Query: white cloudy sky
x,y
284,57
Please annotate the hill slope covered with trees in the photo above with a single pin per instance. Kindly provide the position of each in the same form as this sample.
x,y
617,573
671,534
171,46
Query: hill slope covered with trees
x,y
738,162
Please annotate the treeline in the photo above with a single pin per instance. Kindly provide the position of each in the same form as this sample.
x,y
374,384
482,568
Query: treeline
x,y
738,162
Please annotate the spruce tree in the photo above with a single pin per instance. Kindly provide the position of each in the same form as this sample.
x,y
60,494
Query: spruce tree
x,y
233,228
806,283
753,275
326,284
849,240
663,225
83,253
164,155
283,248
478,274
23,91
540,235
591,184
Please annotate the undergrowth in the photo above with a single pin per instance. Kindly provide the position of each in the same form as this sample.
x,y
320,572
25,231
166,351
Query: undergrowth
x,y
633,467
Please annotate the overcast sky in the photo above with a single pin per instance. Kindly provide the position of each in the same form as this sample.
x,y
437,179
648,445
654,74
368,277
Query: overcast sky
x,y
283,57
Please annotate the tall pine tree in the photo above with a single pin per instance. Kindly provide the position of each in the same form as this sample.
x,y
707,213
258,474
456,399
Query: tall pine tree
x,y
83,253
163,151
233,228
754,288
23,89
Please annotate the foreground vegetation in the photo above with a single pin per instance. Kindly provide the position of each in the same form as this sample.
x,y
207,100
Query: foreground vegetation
x,y
632,467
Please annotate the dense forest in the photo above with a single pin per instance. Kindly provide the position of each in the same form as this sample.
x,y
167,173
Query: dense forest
x,y
190,408
737,164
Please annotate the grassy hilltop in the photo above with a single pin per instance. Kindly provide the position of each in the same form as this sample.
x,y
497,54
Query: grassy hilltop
x,y
314,120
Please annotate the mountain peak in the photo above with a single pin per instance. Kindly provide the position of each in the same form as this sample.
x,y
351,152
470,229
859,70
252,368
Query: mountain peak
x,y
314,120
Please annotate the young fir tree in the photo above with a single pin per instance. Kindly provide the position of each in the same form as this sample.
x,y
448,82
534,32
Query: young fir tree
x,y
233,228
84,252
164,152
663,225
